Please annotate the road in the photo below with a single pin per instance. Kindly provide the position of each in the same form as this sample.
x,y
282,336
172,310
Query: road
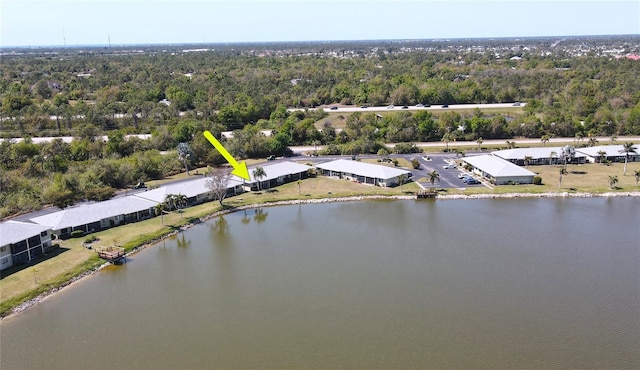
x,y
349,109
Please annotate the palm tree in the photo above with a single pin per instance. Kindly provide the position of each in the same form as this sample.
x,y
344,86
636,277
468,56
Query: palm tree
x,y
527,160
258,174
545,139
402,179
627,148
552,155
579,137
510,144
159,209
448,137
180,201
433,177
613,180
563,172
593,141
479,141
614,139
637,175
602,156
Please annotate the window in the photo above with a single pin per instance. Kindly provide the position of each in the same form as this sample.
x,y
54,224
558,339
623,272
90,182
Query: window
x,y
44,233
2,249
5,260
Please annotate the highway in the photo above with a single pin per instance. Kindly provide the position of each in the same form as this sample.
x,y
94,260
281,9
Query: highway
x,y
439,107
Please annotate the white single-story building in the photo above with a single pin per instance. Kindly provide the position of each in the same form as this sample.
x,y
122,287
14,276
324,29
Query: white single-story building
x,y
195,190
21,242
97,216
537,156
498,170
277,174
612,153
364,173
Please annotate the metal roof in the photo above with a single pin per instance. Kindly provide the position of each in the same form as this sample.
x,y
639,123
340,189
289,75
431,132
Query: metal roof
x,y
16,231
611,150
278,169
496,166
363,169
535,153
93,212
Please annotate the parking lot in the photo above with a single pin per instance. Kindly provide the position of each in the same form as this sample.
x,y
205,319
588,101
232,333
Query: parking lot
x,y
438,162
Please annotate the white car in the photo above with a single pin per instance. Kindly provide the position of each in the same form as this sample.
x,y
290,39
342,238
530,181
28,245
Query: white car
x,y
390,106
449,166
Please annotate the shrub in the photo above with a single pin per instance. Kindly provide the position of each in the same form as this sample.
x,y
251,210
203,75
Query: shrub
x,y
77,233
415,164
537,180
90,239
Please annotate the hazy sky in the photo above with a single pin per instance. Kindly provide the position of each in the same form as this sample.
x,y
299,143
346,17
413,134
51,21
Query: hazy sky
x,y
34,23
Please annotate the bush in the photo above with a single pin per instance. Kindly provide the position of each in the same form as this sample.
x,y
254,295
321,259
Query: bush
x,y
537,180
415,164
77,233
90,239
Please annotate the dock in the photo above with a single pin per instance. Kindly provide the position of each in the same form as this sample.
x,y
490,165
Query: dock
x,y
111,254
426,194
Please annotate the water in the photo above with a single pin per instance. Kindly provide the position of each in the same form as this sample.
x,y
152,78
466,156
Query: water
x,y
494,284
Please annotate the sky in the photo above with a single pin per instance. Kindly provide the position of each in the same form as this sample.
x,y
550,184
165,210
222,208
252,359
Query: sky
x,y
124,22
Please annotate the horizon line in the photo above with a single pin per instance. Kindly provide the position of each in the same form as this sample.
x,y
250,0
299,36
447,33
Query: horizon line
x,y
111,45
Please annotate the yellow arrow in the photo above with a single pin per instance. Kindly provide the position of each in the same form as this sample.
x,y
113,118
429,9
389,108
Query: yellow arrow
x,y
239,169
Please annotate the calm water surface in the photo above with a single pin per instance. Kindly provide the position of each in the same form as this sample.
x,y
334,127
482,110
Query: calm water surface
x,y
482,284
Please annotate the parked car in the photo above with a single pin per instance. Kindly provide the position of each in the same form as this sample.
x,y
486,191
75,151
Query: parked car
x,y
405,107
364,106
271,157
140,185
516,104
462,175
419,105
445,106
449,166
334,108
471,181
390,106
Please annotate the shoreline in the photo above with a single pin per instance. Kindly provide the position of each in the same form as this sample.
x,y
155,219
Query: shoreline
x,y
32,302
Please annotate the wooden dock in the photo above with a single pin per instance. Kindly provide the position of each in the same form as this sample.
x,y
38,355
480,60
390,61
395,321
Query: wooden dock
x,y
111,254
426,194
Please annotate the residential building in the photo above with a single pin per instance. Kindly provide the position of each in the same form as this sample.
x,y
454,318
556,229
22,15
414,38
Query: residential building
x,y
21,242
499,171
365,173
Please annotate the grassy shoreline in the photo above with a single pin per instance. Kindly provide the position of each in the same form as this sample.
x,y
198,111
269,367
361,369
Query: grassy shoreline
x,y
24,288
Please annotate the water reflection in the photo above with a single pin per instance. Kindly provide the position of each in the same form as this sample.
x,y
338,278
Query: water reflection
x,y
260,215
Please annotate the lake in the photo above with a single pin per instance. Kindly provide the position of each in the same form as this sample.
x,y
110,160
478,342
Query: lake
x,y
448,284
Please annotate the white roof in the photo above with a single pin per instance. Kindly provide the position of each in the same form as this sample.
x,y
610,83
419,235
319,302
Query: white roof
x,y
363,169
16,231
497,167
189,189
611,150
535,153
93,212
279,169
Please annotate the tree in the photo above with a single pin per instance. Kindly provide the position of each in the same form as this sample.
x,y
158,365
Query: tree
x,y
402,179
602,156
613,180
637,175
527,160
479,141
176,201
184,153
563,172
160,210
258,174
448,137
567,154
545,139
552,155
433,177
593,141
627,148
510,144
218,181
